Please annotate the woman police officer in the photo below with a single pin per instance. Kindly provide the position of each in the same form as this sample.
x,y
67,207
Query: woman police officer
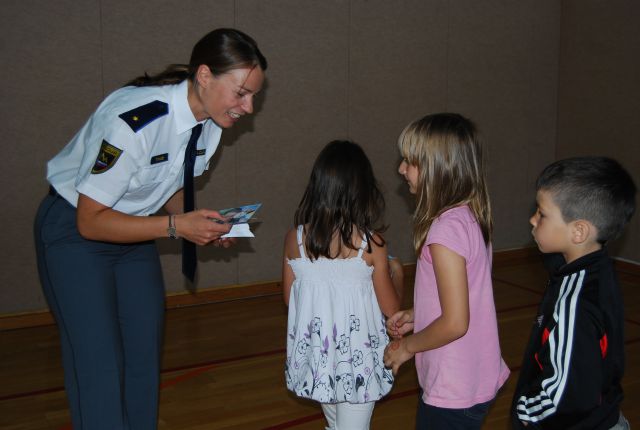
x,y
97,258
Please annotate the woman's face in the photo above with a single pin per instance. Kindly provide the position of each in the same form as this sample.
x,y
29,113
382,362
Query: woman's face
x,y
227,97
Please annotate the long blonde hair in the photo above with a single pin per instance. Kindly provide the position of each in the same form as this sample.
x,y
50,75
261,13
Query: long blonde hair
x,y
446,150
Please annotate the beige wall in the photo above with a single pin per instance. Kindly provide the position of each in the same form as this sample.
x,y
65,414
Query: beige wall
x,y
358,69
599,91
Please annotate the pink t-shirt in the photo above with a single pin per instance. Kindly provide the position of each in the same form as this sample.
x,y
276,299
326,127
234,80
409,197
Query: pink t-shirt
x,y
469,370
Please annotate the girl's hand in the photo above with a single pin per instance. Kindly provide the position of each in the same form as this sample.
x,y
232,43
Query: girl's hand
x,y
395,354
198,227
400,323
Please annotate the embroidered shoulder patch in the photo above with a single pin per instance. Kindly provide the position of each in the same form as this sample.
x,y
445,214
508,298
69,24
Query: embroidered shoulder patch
x,y
107,157
142,115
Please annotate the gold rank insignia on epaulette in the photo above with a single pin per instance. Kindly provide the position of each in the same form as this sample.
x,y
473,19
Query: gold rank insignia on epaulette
x,y
142,115
107,157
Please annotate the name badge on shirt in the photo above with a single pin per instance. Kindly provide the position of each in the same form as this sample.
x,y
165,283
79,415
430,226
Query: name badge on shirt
x,y
160,158
200,152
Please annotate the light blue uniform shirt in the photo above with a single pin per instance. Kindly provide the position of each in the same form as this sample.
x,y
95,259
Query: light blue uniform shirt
x,y
149,167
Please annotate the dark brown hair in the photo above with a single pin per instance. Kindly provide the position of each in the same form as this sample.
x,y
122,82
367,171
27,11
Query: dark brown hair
x,y
342,195
596,189
221,50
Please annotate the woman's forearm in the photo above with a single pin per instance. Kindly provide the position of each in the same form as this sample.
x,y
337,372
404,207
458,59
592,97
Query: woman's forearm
x,y
109,225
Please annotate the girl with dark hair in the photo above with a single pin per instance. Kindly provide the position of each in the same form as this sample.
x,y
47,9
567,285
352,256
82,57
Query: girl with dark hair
x,y
338,285
97,258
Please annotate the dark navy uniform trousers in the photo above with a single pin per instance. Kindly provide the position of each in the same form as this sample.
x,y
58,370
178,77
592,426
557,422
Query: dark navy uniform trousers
x,y
108,302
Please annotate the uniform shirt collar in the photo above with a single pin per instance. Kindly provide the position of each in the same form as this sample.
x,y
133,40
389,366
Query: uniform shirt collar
x,y
184,118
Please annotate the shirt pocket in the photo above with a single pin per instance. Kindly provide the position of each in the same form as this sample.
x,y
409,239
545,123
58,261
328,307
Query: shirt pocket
x,y
147,179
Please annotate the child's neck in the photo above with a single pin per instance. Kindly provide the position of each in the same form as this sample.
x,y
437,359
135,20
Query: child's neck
x,y
579,251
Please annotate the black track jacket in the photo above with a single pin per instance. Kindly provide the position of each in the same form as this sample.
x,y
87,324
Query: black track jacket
x,y
573,364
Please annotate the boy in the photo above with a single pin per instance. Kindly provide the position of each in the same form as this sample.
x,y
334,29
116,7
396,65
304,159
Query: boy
x,y
573,364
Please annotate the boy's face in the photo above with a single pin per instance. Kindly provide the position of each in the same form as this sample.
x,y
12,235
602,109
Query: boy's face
x,y
550,231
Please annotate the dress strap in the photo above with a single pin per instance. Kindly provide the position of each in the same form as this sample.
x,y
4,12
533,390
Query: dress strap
x,y
300,244
363,245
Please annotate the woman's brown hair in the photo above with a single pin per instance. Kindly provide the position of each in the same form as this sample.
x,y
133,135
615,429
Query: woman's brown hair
x,y
221,50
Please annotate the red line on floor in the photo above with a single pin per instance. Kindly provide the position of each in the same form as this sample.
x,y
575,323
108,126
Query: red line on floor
x,y
31,393
224,360
195,367
204,367
186,376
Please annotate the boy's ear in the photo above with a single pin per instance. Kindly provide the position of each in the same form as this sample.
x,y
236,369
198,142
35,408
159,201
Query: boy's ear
x,y
583,231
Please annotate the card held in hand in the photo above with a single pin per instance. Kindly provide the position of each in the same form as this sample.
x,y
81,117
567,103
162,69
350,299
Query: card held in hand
x,y
239,217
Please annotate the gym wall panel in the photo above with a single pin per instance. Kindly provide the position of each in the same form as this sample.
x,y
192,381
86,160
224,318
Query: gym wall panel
x,y
397,73
51,76
599,91
503,75
303,107
542,79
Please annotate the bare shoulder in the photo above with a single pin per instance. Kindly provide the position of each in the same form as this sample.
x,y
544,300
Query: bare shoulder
x,y
291,244
378,243
378,249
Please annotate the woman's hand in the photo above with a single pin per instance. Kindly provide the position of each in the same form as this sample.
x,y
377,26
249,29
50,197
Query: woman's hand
x,y
200,228
400,323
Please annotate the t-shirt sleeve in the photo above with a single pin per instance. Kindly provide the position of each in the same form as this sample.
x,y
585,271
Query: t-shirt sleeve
x,y
451,232
110,163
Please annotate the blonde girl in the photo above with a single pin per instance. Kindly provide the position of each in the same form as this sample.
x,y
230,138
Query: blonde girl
x,y
455,334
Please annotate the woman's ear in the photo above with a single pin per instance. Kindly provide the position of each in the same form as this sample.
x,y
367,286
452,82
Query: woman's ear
x,y
203,75
582,231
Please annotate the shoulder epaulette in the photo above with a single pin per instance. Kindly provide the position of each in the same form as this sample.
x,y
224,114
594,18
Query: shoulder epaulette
x,y
142,115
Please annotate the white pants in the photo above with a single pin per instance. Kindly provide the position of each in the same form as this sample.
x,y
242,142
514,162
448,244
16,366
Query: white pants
x,y
348,416
623,424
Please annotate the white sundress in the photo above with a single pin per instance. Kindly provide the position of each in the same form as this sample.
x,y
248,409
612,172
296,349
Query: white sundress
x,y
336,332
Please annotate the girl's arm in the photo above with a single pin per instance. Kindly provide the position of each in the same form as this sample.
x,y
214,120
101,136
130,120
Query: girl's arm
x,y
290,246
453,292
397,275
99,222
386,293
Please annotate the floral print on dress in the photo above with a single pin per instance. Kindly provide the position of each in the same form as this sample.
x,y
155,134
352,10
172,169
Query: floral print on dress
x,y
335,331
306,369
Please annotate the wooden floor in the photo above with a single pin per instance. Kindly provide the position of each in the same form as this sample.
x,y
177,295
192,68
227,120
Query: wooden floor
x,y
223,364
